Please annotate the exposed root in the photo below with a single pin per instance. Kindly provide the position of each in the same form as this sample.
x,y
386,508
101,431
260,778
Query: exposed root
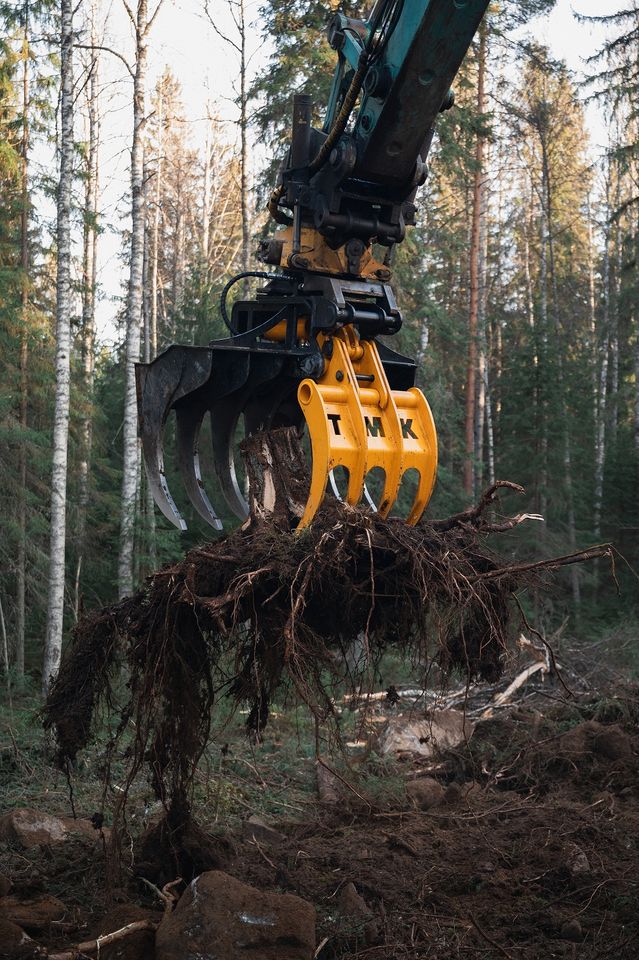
x,y
265,606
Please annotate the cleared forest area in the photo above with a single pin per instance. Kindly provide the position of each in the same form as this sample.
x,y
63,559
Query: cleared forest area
x,y
356,739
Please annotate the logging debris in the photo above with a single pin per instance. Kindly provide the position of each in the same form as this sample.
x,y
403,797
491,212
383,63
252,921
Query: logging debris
x,y
266,607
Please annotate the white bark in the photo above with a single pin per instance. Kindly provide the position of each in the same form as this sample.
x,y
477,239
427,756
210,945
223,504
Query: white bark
x,y
130,446
55,609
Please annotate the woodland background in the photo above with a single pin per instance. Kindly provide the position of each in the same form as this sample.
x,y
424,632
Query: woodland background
x,y
519,289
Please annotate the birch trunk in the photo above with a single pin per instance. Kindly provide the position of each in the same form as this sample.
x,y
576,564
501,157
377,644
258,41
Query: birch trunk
x,y
130,446
21,558
89,278
155,231
55,608
471,374
206,199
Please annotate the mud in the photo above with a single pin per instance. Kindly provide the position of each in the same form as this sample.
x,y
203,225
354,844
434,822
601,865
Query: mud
x,y
531,850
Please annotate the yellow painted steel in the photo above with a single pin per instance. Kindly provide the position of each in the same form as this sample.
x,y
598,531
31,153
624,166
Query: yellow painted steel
x,y
357,422
316,255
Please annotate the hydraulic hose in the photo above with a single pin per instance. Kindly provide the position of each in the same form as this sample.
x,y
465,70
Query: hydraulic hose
x,y
260,274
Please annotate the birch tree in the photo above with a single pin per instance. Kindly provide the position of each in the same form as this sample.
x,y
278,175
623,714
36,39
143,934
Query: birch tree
x,y
237,10
142,24
55,608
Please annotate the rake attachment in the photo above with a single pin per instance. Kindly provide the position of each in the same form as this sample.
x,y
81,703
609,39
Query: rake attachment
x,y
300,364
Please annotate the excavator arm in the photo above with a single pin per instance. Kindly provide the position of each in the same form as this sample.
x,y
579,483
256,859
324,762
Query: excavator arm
x,y
305,349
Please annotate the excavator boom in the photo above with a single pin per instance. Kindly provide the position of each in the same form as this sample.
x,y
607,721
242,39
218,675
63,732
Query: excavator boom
x,y
305,350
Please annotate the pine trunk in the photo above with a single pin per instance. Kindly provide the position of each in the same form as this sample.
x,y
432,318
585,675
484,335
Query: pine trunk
x,y
55,610
21,558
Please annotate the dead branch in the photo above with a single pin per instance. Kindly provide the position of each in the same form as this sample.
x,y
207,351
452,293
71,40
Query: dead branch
x,y
89,946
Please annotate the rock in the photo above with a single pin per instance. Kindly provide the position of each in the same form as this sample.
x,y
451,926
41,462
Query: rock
x,y
5,885
139,945
576,860
452,794
220,916
439,730
13,939
328,786
425,793
351,904
571,930
31,828
255,828
34,914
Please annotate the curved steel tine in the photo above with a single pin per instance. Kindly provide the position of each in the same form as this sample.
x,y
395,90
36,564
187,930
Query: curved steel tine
x,y
173,374
189,422
154,463
369,500
151,422
224,417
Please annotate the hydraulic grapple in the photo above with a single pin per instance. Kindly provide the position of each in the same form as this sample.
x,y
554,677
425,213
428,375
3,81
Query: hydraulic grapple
x,y
305,350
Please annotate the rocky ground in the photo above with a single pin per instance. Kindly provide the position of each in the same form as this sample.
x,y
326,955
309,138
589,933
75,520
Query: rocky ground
x,y
520,841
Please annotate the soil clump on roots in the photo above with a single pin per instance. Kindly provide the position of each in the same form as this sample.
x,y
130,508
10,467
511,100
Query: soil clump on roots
x,y
266,606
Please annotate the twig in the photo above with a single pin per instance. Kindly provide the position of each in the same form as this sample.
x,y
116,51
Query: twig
x,y
108,938
474,513
261,852
348,786
579,557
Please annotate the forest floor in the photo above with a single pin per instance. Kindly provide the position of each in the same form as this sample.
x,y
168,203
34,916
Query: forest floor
x,y
529,850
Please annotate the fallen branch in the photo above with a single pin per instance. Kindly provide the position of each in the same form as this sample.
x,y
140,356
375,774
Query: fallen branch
x,y
474,513
519,681
581,556
89,946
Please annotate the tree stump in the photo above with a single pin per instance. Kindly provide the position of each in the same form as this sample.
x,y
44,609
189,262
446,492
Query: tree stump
x,y
278,477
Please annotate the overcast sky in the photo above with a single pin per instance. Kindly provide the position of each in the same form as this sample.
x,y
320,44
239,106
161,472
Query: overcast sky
x,y
206,67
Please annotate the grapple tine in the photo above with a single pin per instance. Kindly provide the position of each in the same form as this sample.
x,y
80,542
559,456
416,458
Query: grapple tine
x,y
259,409
160,384
189,416
225,415
151,423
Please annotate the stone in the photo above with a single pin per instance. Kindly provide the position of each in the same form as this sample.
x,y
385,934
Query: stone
x,y
571,930
221,917
576,860
425,793
255,828
13,939
30,828
351,904
35,913
439,730
5,885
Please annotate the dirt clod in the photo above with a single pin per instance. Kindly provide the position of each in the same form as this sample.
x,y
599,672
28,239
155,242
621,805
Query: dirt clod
x,y
33,914
571,930
219,913
425,793
14,942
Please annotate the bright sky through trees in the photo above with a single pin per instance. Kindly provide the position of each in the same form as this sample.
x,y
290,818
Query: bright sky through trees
x,y
206,67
